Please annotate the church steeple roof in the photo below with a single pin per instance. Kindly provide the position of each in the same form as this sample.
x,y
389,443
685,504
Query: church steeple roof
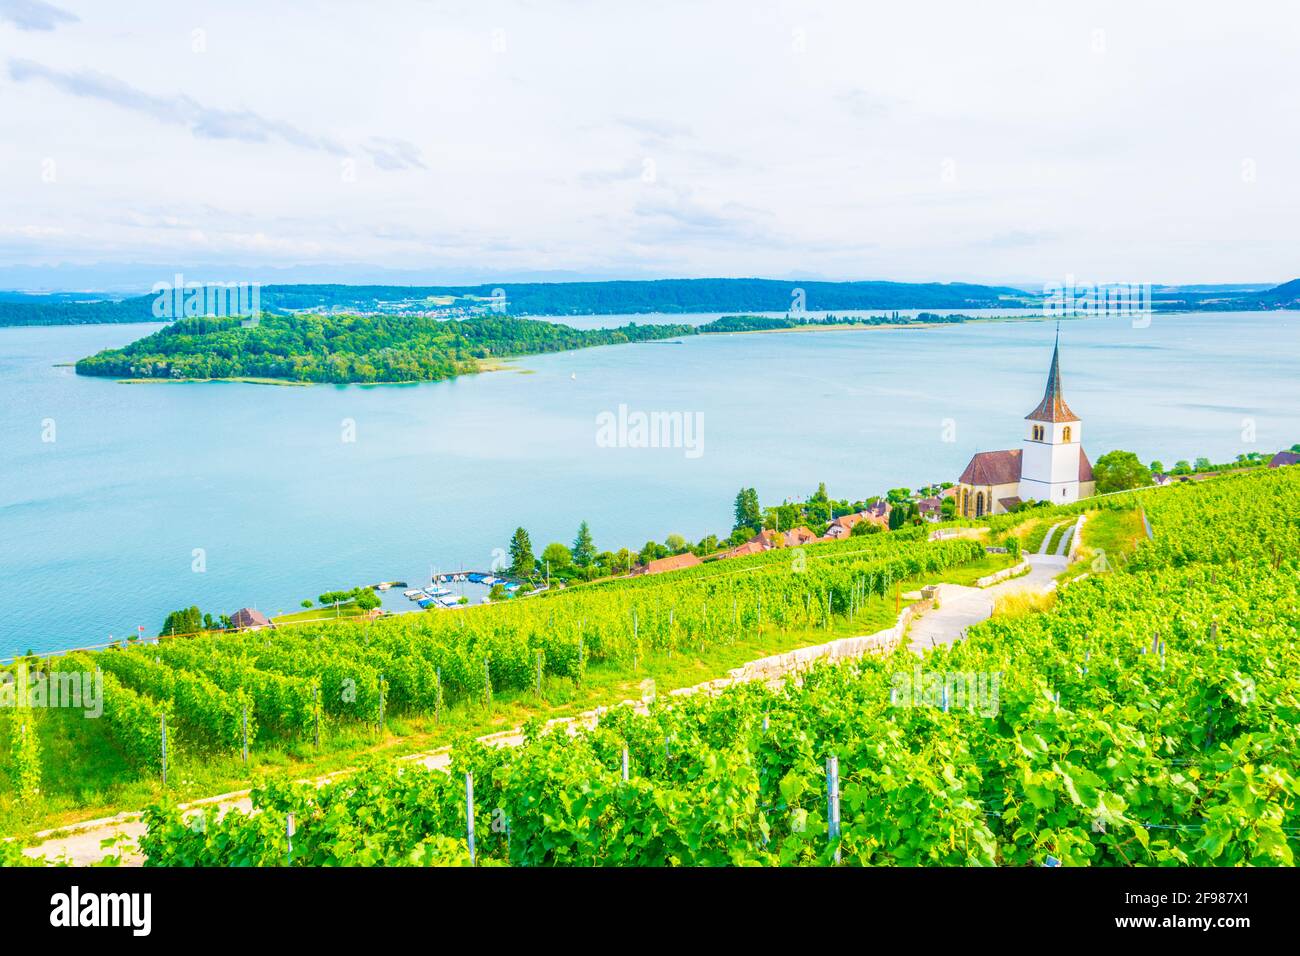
x,y
1053,408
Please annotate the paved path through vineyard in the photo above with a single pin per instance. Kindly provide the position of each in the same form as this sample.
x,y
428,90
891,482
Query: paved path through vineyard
x,y
959,608
962,607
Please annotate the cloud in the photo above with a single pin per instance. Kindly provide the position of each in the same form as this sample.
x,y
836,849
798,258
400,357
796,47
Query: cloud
x,y
654,129
34,14
861,104
394,154
206,121
632,169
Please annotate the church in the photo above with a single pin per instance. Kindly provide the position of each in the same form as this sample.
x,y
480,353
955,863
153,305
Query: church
x,y
1050,464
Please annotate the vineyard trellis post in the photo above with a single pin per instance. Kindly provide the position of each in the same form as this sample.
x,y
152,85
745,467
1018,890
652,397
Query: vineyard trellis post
x,y
833,803
163,739
487,681
382,701
625,763
245,732
437,699
288,834
469,814
538,687
315,698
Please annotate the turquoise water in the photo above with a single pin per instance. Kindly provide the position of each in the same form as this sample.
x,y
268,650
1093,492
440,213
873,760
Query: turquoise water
x,y
98,528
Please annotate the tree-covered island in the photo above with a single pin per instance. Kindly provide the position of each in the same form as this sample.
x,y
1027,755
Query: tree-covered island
x,y
366,349
348,349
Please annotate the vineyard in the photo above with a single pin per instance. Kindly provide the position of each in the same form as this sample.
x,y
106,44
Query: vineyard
x,y
176,701
1149,718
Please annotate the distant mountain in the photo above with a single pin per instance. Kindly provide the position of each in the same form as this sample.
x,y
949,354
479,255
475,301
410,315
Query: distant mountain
x,y
627,297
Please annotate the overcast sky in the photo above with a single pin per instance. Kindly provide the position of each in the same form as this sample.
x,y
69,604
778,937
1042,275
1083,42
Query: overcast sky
x,y
1019,142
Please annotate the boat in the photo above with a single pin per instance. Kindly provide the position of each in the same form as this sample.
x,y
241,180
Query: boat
x,y
425,602
414,594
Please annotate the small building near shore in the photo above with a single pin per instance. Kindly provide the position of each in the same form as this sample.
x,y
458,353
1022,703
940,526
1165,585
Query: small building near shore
x,y
1284,458
249,619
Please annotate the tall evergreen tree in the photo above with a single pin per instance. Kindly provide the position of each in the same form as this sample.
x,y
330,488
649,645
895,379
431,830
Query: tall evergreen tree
x,y
584,547
522,562
897,515
748,513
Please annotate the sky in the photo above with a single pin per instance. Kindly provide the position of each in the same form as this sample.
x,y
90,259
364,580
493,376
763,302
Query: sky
x,y
488,140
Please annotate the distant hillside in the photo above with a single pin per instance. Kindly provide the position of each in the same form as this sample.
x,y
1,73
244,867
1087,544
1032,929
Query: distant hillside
x,y
1285,296
634,297
672,296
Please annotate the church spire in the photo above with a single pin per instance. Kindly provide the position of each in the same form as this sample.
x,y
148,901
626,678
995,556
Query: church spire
x,y
1053,408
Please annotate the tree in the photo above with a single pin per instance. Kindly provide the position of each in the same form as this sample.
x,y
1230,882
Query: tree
x,y
584,546
522,562
898,495
1157,467
897,516
366,599
623,560
1183,467
1120,471
864,527
187,620
675,543
948,509
498,592
748,513
652,551
1204,464
558,556
708,544
307,602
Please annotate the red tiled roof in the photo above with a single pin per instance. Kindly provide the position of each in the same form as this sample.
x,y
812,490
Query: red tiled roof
x,y
248,617
674,562
749,547
994,468
1009,503
1284,458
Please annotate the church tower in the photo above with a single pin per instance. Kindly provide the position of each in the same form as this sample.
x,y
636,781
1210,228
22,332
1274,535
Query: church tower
x,y
1052,462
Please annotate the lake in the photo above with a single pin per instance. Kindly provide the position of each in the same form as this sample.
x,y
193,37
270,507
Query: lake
x,y
152,497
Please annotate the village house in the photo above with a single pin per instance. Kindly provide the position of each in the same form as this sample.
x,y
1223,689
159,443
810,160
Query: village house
x,y
931,509
249,619
1284,458
749,547
674,562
